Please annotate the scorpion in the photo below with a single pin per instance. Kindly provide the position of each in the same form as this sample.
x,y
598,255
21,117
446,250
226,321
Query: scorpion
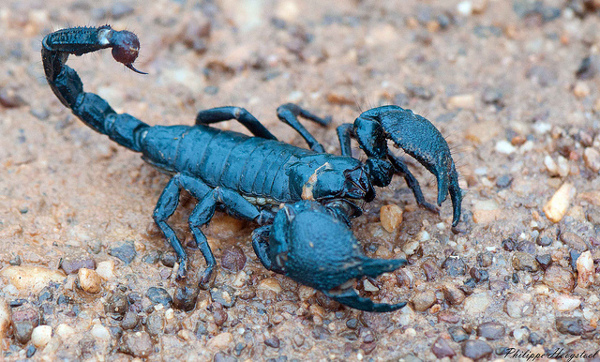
x,y
302,199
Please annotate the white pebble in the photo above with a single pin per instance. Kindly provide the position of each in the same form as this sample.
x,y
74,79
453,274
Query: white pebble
x,y
64,331
566,303
100,332
505,147
89,280
106,269
41,335
542,127
556,208
585,269
5,316
465,8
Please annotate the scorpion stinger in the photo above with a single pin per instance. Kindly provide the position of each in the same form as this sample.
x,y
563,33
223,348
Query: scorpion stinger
x,y
311,244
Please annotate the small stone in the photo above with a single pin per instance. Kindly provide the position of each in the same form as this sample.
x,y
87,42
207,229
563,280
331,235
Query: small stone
x,y
465,8
271,284
477,303
155,323
418,92
569,325
458,334
519,305
89,281
557,207
30,351
524,261
159,296
106,269
504,181
340,99
233,259
464,101
137,344
219,315
130,320
124,251
5,318
585,269
591,157
559,279
10,99
100,332
41,335
40,113
185,298
491,330
581,89
492,96
168,259
447,316
64,331
573,240
551,165
272,342
454,266
220,341
117,303
505,147
476,349
31,278
423,300
544,260
453,295
24,320
224,295
566,303
71,265
390,216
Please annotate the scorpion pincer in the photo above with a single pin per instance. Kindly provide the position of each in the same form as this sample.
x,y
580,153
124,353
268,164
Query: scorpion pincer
x,y
302,199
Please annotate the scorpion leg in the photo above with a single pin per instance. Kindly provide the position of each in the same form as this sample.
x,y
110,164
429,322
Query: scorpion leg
x,y
232,202
260,244
344,132
221,114
289,113
412,182
165,207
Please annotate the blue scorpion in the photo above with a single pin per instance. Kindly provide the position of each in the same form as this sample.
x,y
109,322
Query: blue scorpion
x,y
302,199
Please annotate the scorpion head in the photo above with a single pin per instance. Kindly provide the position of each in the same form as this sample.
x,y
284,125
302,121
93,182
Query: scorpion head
x,y
311,245
326,177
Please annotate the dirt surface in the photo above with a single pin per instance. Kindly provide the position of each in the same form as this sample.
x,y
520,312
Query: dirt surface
x,y
514,86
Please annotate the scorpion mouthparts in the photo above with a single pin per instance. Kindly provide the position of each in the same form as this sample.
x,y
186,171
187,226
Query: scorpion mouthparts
x,y
130,66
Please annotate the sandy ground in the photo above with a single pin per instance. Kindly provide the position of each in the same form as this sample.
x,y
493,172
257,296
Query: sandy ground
x,y
505,81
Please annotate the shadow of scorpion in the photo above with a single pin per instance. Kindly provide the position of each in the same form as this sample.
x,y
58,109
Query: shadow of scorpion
x,y
302,199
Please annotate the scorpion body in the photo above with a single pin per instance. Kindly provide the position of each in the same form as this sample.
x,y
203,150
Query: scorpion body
x,y
261,179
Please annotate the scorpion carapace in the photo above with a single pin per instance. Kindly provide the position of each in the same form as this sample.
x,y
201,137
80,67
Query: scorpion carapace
x,y
261,179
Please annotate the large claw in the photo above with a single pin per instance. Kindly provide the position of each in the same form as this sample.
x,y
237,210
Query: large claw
x,y
309,244
417,137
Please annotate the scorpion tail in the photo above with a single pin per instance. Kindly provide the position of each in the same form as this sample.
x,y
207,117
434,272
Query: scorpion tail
x,y
350,298
418,138
67,86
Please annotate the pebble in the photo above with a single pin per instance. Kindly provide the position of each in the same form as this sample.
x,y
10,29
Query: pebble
x,y
454,266
504,181
441,349
556,208
458,334
492,96
130,320
465,8
591,157
24,320
423,300
124,251
566,303
89,281
505,147
117,303
155,324
559,279
573,240
159,296
137,344
418,92
525,262
224,295
491,330
30,351
106,269
64,331
71,265
219,315
168,259
233,259
271,284
31,278
544,260
476,349
519,305
581,89
5,318
272,342
453,295
593,216
41,335
10,99
589,67
585,269
569,325
477,303
464,101
390,216
185,298
220,341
